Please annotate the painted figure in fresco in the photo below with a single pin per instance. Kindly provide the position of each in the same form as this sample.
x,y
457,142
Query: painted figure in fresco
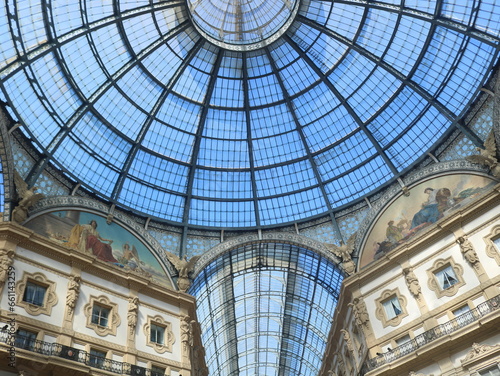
x,y
394,233
130,257
86,237
430,213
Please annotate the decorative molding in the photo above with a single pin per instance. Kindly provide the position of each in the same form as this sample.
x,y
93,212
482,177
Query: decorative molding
x,y
380,311
433,283
479,352
169,338
113,320
50,296
492,250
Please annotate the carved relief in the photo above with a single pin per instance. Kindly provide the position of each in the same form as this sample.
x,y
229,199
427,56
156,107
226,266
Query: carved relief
x,y
348,341
479,351
186,334
72,294
468,251
344,252
184,268
133,307
6,260
412,282
360,312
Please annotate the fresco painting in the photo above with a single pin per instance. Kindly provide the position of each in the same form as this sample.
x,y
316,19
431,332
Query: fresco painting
x,y
112,243
428,202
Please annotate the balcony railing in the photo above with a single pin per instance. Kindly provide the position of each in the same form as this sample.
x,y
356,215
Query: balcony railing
x,y
434,334
55,349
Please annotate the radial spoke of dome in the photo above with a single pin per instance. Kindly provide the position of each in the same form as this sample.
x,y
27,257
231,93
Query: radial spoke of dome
x,y
112,79
140,137
454,119
434,18
246,104
196,147
28,56
346,105
310,158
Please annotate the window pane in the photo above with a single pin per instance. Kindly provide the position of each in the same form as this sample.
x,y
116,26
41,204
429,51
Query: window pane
x,y
34,294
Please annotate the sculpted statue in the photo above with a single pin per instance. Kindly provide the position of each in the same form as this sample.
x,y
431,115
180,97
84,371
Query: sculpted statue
x,y
186,333
184,268
412,282
360,312
27,198
6,260
133,307
348,340
73,292
487,156
468,250
344,252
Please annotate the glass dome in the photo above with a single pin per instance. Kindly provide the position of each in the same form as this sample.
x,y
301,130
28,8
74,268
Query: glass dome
x,y
144,104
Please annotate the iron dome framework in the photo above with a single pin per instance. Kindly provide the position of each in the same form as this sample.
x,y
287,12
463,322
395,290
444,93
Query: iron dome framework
x,y
129,100
266,309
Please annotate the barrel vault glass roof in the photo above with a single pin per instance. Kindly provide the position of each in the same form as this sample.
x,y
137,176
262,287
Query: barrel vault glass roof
x,y
266,309
131,99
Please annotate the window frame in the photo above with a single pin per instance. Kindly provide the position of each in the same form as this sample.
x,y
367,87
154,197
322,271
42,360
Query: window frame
x,y
168,335
381,313
113,317
435,284
50,297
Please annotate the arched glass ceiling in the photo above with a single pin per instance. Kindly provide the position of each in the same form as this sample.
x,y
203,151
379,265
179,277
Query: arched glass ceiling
x,y
131,101
266,309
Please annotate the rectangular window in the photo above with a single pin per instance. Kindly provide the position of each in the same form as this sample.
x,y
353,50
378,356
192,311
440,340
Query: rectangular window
x,y
96,358
461,310
25,339
392,307
446,277
403,340
34,294
157,371
157,334
492,371
100,315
